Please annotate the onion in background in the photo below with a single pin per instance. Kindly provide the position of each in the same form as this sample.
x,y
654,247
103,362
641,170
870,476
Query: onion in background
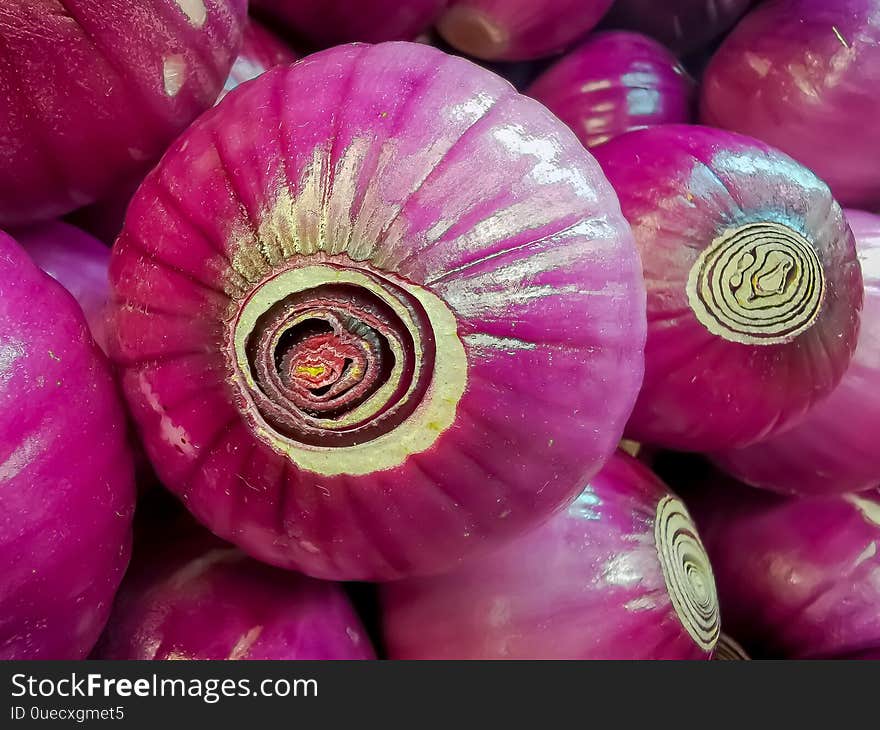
x,y
92,91
260,51
66,484
835,449
797,578
518,30
614,83
804,75
619,574
753,283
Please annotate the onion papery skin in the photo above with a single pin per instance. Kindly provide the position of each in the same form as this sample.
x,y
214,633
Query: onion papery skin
x,y
423,202
91,92
76,261
685,26
518,30
702,203
199,598
614,83
797,578
66,481
324,23
803,75
590,583
260,50
834,449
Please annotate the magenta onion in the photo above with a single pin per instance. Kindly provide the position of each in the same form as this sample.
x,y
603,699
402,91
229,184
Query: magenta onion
x,y
260,51
323,23
619,574
91,92
518,30
797,578
368,335
613,83
803,75
76,261
66,485
834,450
685,26
753,285
195,597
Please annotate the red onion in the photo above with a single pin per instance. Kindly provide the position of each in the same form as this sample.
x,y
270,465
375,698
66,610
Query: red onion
x,y
753,285
198,598
619,574
65,471
76,261
260,51
834,450
728,649
338,321
92,91
323,23
803,75
613,83
518,30
797,578
685,26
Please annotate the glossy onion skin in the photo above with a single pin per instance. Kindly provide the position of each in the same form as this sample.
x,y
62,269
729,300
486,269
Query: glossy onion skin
x,y
797,578
614,83
680,187
586,584
260,51
92,91
834,449
76,261
200,598
65,471
518,30
803,75
685,26
324,23
448,182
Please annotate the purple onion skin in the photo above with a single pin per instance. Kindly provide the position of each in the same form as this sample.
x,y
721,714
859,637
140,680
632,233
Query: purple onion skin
x,y
435,190
260,51
833,450
587,584
685,26
614,83
796,577
200,598
688,193
324,23
803,75
91,92
518,30
65,471
76,261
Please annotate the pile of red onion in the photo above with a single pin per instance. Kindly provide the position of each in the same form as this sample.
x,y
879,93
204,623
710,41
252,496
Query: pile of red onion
x,y
439,329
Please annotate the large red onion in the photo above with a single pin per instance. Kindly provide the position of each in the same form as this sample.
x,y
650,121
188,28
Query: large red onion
x,y
804,76
198,598
66,485
753,282
92,91
323,23
368,335
685,26
76,261
613,83
518,30
260,51
619,574
797,578
834,450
